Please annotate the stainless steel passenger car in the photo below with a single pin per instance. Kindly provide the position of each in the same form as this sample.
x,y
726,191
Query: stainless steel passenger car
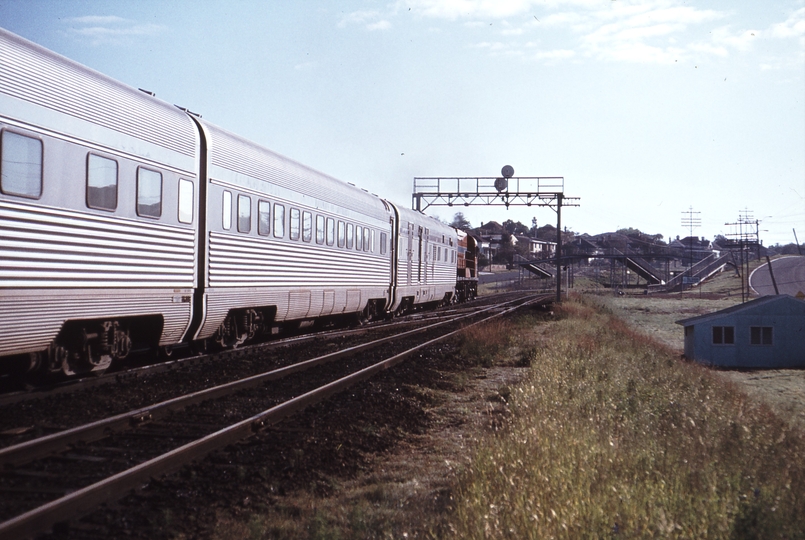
x,y
126,222
284,242
98,208
426,260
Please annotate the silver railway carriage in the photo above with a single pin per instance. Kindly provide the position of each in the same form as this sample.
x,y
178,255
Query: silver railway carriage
x,y
97,212
426,260
126,222
286,243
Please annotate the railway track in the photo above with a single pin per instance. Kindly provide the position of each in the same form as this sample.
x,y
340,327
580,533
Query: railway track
x,y
109,457
154,366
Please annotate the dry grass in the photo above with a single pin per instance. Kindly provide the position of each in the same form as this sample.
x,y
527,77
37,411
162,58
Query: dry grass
x,y
612,436
657,315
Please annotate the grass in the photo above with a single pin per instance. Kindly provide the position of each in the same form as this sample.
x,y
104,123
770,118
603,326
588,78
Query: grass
x,y
608,435
611,435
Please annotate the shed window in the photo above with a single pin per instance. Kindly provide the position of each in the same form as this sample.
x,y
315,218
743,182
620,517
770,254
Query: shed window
x,y
307,226
760,335
723,335
226,211
101,183
149,193
279,220
295,224
21,165
263,218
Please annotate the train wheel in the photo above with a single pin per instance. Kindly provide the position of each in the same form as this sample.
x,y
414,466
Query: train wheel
x,y
76,364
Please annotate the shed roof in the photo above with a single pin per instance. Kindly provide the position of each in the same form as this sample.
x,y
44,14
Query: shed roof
x,y
747,306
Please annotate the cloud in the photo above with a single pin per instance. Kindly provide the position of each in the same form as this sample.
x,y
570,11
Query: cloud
x,y
634,31
305,66
95,19
108,29
473,9
371,20
794,26
553,56
380,25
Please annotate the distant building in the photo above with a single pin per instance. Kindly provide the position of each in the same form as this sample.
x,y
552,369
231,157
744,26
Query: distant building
x,y
537,249
768,332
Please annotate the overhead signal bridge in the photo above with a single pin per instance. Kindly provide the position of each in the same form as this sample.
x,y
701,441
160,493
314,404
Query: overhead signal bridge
x,y
507,190
491,191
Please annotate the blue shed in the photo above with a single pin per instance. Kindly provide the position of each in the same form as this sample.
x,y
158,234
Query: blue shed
x,y
768,332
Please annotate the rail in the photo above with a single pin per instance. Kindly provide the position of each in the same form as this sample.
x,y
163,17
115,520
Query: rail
x,y
86,499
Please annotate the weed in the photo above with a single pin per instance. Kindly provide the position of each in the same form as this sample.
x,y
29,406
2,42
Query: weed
x,y
481,344
610,434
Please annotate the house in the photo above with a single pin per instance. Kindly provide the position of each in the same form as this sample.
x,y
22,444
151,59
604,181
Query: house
x,y
768,332
537,249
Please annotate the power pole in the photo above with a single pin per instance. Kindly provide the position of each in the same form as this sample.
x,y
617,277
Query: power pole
x,y
746,238
691,221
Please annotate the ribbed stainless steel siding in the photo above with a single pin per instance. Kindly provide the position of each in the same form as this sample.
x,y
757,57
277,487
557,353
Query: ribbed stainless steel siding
x,y
29,323
237,261
239,155
300,279
50,248
40,76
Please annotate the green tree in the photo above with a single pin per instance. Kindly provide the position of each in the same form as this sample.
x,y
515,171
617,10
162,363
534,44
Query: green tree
x,y
460,222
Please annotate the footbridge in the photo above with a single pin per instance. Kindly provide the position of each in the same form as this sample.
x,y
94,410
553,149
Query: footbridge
x,y
707,267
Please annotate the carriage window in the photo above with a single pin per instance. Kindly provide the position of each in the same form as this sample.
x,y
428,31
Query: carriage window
x,y
244,213
350,235
263,218
307,226
319,229
185,201
226,211
279,220
383,241
439,257
330,231
366,238
21,165
101,183
372,241
149,193
295,224
341,234
358,237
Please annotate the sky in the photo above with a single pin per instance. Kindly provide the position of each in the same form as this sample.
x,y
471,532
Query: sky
x,y
648,109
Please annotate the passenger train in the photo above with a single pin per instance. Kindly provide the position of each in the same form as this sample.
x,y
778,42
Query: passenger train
x,y
126,222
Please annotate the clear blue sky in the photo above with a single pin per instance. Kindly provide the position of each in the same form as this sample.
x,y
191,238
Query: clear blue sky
x,y
646,108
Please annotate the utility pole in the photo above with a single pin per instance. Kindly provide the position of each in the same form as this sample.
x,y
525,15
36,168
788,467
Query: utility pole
x,y
692,221
746,239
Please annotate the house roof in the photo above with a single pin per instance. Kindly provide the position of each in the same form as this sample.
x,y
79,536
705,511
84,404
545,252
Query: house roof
x,y
752,304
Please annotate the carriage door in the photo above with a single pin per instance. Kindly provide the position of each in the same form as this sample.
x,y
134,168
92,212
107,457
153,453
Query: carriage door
x,y
409,250
424,254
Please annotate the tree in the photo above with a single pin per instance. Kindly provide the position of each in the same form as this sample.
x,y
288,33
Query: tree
x,y
460,222
515,228
506,250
